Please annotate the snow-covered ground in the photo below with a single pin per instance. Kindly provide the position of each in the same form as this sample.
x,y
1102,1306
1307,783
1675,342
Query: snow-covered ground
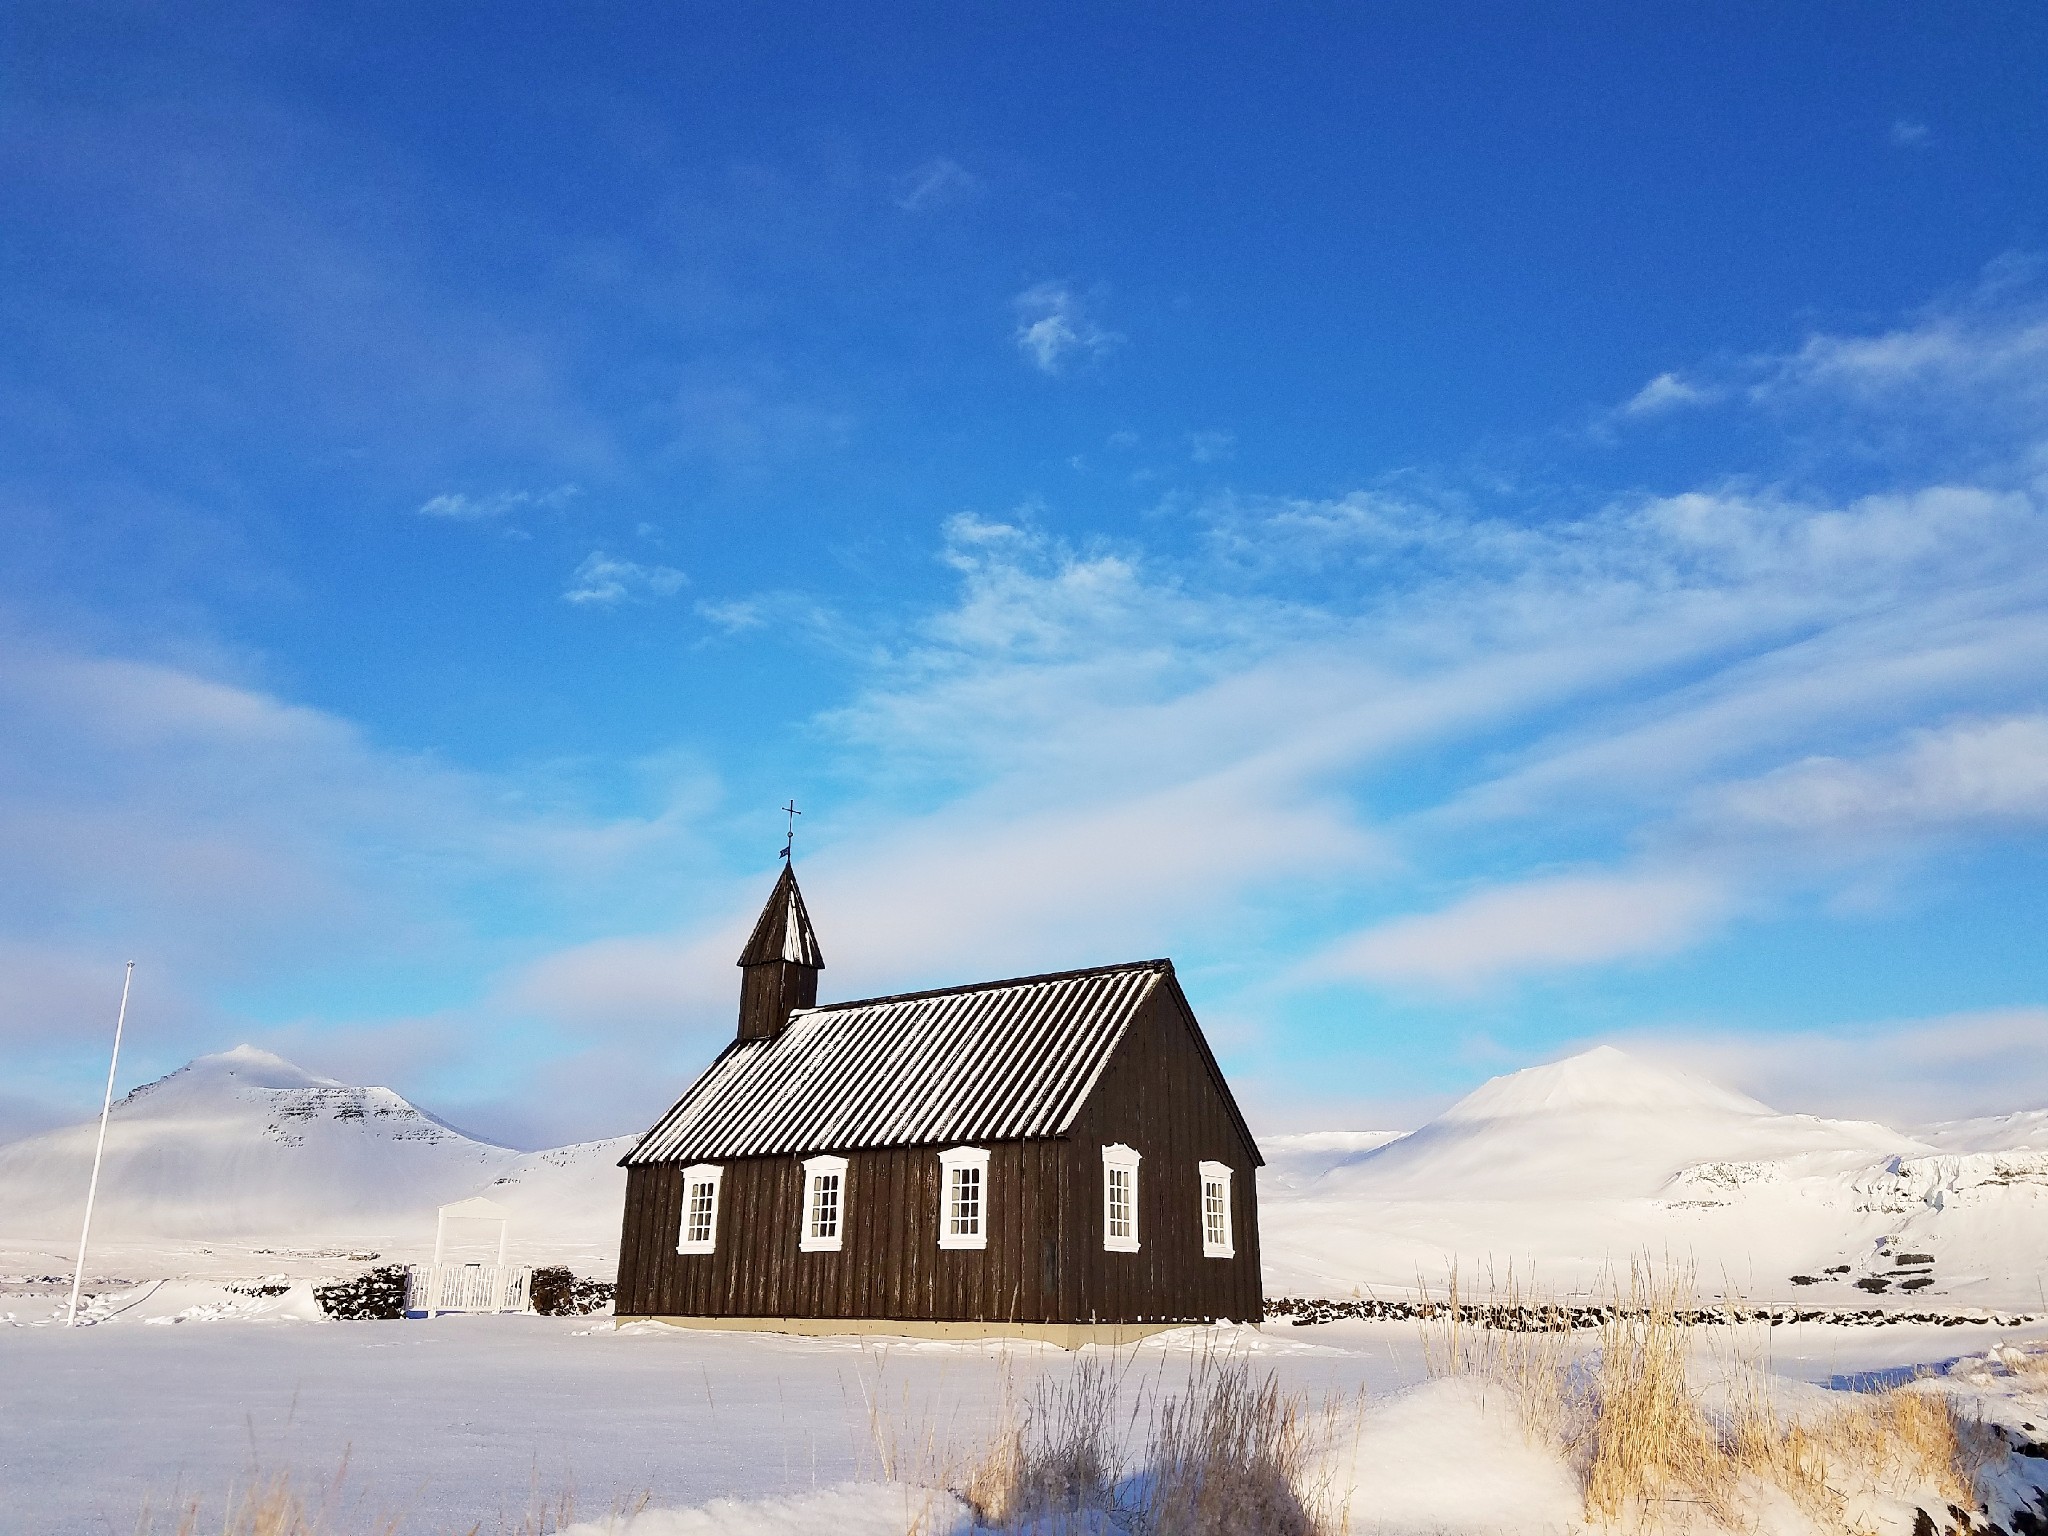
x,y
466,1419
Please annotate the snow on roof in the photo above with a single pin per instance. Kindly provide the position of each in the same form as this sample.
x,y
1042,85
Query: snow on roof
x,y
1001,1061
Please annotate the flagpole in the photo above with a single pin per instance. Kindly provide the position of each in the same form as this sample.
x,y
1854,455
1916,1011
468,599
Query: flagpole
x,y
99,1151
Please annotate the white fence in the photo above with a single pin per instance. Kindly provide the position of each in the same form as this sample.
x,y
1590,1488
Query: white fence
x,y
431,1288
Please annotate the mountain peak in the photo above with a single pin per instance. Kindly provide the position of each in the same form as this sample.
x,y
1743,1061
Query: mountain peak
x,y
244,1067
1602,1078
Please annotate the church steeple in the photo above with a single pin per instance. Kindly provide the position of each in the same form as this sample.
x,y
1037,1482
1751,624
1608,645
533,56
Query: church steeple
x,y
779,967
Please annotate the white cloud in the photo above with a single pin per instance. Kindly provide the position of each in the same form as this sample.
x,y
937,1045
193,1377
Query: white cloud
x,y
231,842
1909,133
1907,1072
459,506
1054,327
935,184
1979,772
604,581
1667,392
1211,447
1534,926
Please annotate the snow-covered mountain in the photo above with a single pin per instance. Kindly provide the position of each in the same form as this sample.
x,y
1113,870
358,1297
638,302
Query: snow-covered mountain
x,y
1563,1171
244,1145
1568,1170
2026,1131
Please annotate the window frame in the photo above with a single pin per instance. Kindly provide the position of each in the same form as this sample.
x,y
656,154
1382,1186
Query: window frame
x,y
951,1162
815,1169
696,1177
1213,1174
1118,1158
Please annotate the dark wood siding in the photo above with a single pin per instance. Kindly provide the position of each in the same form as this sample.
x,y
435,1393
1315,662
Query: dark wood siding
x,y
1161,1097
1044,1262
890,1264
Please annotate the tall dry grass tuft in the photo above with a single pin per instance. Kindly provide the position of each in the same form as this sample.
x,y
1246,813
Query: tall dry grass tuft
x,y
1230,1457
1061,1454
1648,1441
1532,1366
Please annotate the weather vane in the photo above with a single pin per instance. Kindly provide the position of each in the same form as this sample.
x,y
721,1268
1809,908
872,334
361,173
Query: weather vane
x,y
789,842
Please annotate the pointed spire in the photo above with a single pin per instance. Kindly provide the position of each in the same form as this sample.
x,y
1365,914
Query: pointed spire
x,y
780,965
784,930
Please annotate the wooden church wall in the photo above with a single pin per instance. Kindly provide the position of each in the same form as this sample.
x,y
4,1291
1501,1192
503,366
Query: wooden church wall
x,y
1044,1261
890,1264
1158,1097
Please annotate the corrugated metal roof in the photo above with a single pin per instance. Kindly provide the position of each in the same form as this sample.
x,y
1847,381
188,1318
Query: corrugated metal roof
x,y
783,931
1001,1061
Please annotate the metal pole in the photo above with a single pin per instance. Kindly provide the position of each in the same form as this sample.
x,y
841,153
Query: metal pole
x,y
99,1151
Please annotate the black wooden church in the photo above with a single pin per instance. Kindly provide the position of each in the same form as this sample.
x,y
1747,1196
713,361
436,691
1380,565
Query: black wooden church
x,y
1052,1156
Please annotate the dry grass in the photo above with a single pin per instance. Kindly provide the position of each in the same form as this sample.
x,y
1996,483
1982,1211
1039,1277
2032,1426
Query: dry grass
x,y
1229,1456
1901,1442
1648,1451
274,1505
1532,1366
1648,1440
1059,1455
271,1505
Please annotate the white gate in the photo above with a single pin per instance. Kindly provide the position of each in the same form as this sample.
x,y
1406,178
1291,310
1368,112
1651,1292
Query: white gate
x,y
431,1288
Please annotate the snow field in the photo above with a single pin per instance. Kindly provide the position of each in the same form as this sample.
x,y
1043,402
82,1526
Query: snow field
x,y
530,1424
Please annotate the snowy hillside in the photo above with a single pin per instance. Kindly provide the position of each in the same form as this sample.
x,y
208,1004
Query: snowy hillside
x,y
1567,1169
2023,1132
570,1195
246,1145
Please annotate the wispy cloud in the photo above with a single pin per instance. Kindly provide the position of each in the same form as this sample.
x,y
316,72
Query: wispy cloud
x,y
1667,392
1909,133
461,507
1273,745
1211,447
1906,1071
936,183
604,581
1532,926
1054,328
1979,772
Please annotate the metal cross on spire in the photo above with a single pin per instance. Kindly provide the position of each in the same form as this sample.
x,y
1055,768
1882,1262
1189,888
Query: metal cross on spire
x,y
789,842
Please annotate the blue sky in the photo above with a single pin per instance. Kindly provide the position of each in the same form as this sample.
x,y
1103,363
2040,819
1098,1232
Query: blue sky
x,y
1477,530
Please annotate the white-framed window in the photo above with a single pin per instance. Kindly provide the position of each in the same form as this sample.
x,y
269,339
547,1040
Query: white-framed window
x,y
1120,1198
963,1198
824,1205
699,1230
1216,1231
